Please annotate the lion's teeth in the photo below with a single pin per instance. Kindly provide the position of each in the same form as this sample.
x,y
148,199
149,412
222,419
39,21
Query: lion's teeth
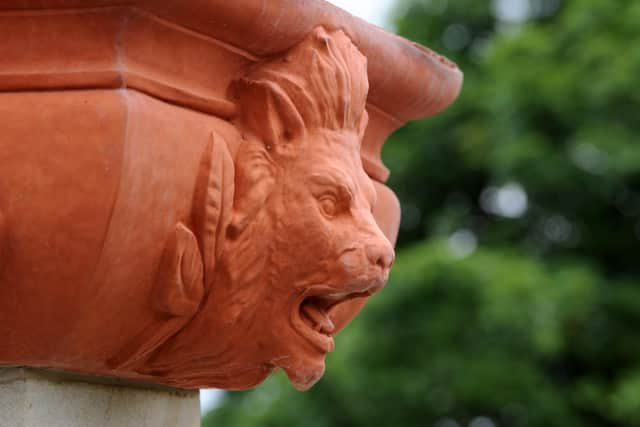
x,y
321,321
328,325
313,313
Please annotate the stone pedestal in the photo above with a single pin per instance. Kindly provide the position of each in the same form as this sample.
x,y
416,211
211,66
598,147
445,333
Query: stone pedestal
x,y
37,398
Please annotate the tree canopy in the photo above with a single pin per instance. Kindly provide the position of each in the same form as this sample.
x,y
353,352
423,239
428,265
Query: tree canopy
x,y
515,298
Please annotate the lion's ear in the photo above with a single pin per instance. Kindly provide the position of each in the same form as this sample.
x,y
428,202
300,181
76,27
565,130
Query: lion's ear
x,y
269,113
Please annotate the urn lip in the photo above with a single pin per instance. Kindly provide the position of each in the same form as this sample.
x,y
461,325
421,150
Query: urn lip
x,y
407,81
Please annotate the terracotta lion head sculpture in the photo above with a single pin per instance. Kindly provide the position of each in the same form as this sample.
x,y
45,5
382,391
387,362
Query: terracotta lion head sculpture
x,y
301,239
301,182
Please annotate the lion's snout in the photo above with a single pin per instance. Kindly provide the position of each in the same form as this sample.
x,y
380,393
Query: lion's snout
x,y
380,254
366,267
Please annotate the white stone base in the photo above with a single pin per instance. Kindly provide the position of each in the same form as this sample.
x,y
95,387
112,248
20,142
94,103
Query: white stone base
x,y
41,398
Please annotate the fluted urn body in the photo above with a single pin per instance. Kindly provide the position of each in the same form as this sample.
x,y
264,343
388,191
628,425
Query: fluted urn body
x,y
192,192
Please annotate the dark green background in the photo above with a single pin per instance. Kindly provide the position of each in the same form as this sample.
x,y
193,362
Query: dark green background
x,y
540,324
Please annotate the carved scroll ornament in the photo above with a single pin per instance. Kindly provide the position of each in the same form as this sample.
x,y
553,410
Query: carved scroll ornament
x,y
279,237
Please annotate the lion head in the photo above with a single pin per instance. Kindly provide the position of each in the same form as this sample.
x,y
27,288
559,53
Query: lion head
x,y
301,186
302,238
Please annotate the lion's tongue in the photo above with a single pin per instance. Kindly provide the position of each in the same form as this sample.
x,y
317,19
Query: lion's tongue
x,y
318,318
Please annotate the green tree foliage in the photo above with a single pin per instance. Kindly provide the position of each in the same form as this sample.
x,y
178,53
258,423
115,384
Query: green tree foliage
x,y
515,299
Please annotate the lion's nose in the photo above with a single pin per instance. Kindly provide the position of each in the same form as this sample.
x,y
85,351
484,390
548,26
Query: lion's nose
x,y
380,254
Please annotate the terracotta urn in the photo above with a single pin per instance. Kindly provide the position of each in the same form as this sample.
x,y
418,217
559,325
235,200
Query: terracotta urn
x,y
192,192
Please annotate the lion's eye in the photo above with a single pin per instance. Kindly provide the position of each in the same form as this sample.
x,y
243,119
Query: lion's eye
x,y
328,206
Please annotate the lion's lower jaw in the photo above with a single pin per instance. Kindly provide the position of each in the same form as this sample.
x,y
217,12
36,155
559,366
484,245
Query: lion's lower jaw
x,y
210,373
304,375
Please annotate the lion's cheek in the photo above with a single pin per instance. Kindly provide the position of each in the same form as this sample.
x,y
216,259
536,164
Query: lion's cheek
x,y
311,240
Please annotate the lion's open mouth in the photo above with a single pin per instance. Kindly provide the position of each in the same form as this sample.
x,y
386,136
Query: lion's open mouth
x,y
313,320
313,312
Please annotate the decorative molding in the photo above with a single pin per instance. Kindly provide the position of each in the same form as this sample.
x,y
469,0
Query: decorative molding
x,y
172,51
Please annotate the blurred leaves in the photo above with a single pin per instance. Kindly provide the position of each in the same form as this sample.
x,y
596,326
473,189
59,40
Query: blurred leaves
x,y
496,319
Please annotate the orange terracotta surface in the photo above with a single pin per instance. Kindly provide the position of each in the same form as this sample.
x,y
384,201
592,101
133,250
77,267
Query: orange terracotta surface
x,y
192,191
